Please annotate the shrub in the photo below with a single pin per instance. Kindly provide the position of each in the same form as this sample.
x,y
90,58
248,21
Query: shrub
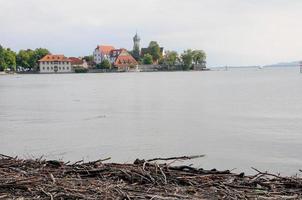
x,y
147,60
105,64
80,70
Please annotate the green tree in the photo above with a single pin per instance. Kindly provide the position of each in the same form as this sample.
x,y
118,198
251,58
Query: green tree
x,y
89,58
105,64
170,58
154,51
148,59
35,56
199,57
187,59
39,53
7,59
3,64
24,58
10,59
29,58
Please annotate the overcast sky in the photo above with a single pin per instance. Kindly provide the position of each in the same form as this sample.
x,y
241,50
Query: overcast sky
x,y
232,32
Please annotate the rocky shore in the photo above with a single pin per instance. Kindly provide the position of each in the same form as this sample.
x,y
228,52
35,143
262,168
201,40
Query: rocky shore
x,y
155,179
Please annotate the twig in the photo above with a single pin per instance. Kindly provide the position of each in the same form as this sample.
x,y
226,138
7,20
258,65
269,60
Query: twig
x,y
177,158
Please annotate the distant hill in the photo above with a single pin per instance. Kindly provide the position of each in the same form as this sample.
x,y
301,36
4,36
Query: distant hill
x,y
285,64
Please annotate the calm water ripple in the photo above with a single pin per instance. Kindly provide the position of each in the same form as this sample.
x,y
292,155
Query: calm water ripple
x,y
238,118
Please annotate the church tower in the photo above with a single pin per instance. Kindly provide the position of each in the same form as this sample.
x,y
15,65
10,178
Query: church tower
x,y
136,47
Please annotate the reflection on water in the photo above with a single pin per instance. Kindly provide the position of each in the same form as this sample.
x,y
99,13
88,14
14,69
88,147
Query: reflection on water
x,y
238,118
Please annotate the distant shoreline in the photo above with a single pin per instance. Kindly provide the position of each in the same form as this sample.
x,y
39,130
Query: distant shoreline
x,y
103,72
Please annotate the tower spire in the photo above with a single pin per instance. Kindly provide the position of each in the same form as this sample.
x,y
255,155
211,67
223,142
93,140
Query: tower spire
x,y
136,46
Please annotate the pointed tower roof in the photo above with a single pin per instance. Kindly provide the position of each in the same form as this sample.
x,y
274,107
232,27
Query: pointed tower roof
x,y
136,37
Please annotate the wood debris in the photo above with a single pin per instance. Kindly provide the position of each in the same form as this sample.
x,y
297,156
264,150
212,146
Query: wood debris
x,y
41,179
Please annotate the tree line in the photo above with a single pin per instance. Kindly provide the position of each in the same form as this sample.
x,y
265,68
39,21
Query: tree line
x,y
153,55
25,59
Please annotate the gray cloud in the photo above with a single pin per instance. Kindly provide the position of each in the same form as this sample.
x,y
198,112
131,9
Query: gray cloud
x,y
232,32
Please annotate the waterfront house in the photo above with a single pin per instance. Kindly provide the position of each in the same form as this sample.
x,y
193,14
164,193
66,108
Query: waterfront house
x,y
78,63
123,60
55,64
101,53
120,59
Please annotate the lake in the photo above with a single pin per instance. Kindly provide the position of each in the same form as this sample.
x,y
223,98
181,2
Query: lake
x,y
239,118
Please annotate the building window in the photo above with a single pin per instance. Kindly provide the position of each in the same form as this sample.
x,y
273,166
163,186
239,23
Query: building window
x,y
63,68
51,68
59,68
47,68
67,68
43,68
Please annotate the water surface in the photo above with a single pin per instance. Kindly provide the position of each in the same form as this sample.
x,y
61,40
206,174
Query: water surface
x,y
238,118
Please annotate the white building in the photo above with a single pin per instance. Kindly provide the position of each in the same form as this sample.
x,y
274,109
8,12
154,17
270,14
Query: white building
x,y
102,52
55,64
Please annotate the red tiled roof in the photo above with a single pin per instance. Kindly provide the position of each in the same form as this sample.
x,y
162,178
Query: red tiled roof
x,y
54,58
116,52
76,61
124,59
105,49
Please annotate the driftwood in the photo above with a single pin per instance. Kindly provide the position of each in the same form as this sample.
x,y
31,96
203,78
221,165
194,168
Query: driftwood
x,y
41,179
176,158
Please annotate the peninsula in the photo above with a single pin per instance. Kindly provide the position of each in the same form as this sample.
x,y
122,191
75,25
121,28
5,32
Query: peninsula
x,y
105,58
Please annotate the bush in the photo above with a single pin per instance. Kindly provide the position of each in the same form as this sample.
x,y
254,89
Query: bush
x,y
148,59
105,64
80,70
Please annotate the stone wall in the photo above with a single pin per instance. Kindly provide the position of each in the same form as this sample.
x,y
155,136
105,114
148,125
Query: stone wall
x,y
149,68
